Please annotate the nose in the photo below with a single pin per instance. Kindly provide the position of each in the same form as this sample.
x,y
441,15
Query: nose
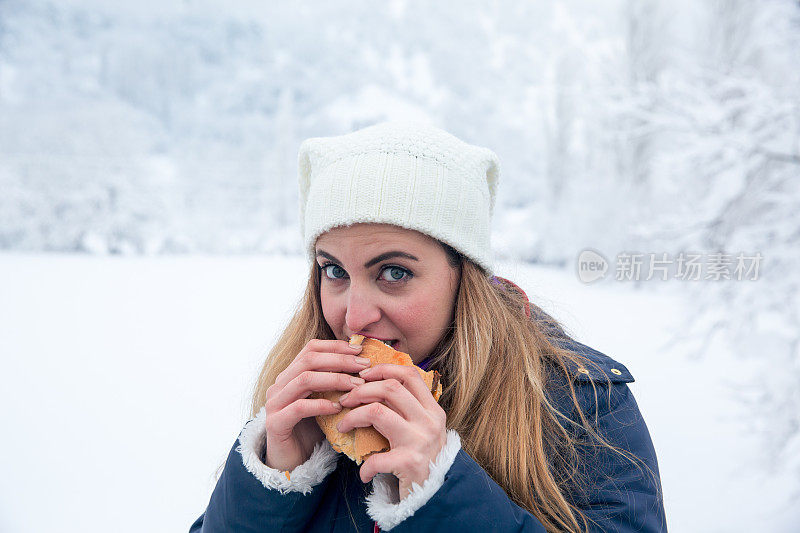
x,y
363,308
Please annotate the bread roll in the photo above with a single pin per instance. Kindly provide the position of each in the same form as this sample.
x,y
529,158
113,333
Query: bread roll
x,y
360,443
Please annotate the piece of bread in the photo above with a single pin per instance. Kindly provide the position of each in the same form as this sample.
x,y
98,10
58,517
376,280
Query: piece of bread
x,y
360,443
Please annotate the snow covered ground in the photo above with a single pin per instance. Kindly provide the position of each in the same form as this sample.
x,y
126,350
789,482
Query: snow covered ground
x,y
125,382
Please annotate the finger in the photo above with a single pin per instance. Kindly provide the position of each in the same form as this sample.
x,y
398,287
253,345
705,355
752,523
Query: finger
x,y
385,421
407,375
345,360
334,346
397,462
389,392
310,381
280,424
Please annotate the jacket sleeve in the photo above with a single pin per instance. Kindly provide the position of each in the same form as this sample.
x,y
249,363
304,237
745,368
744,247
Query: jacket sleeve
x,y
250,496
619,495
458,494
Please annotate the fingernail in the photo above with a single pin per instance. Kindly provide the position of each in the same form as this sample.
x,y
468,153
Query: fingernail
x,y
362,360
337,405
357,381
342,398
356,346
364,372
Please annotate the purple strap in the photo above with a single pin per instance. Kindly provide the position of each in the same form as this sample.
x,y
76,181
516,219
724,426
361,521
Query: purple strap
x,y
425,363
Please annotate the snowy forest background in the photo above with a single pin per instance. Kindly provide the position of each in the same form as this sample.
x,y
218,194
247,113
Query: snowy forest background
x,y
155,128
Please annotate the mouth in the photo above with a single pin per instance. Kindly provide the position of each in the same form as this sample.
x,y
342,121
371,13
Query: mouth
x,y
392,343
388,342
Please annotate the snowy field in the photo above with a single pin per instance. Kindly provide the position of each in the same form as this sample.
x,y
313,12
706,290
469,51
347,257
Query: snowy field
x,y
126,381
157,142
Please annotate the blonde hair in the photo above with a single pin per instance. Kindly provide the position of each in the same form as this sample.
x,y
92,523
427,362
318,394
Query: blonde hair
x,y
492,362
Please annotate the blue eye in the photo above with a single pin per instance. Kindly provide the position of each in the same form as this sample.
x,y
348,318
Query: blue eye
x,y
395,274
391,274
334,271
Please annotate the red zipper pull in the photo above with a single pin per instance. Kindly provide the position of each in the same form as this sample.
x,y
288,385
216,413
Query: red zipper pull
x,y
376,529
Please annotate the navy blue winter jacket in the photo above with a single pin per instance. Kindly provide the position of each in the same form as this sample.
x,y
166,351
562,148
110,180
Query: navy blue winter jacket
x,y
326,493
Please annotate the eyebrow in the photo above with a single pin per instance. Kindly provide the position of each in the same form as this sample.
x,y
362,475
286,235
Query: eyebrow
x,y
374,260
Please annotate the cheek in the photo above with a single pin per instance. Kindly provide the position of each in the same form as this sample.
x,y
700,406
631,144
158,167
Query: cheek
x,y
420,313
332,309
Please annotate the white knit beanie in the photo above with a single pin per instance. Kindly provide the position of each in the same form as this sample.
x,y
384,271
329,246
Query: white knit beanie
x,y
407,174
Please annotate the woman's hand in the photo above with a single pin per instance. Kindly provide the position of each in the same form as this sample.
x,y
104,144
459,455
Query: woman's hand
x,y
398,404
292,432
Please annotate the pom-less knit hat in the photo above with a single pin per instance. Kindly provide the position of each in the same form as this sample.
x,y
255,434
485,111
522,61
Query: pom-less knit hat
x,y
407,174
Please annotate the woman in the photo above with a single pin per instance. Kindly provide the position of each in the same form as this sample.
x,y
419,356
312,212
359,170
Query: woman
x,y
533,432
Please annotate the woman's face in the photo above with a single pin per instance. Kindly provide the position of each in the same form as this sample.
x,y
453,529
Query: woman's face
x,y
389,283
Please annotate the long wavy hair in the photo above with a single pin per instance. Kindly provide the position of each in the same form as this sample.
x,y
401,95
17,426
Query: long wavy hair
x,y
497,367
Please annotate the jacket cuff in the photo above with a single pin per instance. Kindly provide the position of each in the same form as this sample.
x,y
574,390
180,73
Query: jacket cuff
x,y
303,478
384,504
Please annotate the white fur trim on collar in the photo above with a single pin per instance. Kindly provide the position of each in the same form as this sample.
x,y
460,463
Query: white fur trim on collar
x,y
383,505
302,479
